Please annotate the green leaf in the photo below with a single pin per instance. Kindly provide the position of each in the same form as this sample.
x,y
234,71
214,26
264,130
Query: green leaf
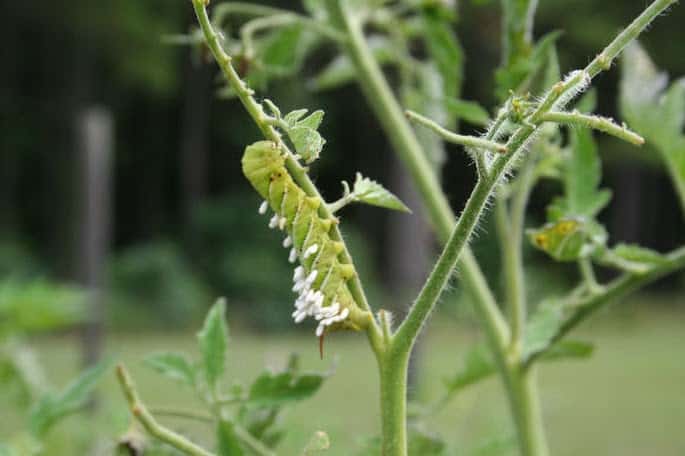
x,y
495,446
541,331
317,444
173,365
341,71
583,176
292,117
469,111
568,239
425,94
529,74
542,327
631,258
371,192
283,51
445,50
565,349
307,141
637,254
228,443
312,121
213,340
478,365
423,443
273,389
20,368
53,407
655,112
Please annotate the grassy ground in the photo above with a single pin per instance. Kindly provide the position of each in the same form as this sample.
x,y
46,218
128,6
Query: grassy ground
x,y
629,399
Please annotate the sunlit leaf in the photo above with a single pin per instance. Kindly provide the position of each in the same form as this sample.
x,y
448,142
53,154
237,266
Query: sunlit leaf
x,y
371,192
292,117
307,141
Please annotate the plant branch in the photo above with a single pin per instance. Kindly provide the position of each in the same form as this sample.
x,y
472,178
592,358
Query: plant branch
x,y
595,122
622,286
604,60
297,171
145,418
469,141
403,139
182,413
250,441
224,10
510,224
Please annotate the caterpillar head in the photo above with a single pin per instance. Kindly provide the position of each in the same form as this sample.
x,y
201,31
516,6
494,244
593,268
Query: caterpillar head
x,y
262,162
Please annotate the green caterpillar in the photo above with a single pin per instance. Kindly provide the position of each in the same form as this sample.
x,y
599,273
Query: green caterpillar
x,y
321,279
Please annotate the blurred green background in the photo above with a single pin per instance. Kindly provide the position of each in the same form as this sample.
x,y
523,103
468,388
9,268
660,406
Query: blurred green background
x,y
173,224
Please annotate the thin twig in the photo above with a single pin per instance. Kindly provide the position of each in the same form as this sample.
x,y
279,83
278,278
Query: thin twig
x,y
469,141
145,418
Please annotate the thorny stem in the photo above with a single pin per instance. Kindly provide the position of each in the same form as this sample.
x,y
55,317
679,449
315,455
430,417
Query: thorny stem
x,y
298,172
145,418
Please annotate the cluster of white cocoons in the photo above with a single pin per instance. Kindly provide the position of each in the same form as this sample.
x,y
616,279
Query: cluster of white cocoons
x,y
309,302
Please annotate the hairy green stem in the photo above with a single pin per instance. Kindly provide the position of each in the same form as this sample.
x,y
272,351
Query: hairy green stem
x,y
145,418
298,172
510,225
403,139
469,141
386,108
527,411
587,272
595,122
393,365
437,280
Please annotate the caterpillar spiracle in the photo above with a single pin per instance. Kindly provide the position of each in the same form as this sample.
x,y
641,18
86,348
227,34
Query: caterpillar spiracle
x,y
321,279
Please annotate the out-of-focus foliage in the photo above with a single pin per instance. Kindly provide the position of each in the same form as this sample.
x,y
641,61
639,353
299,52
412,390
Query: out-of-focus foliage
x,y
656,110
153,285
240,413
